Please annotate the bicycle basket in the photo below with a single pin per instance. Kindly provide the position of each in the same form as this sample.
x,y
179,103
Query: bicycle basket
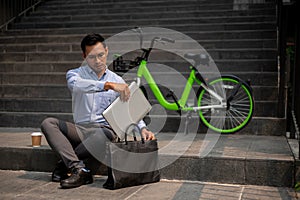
x,y
120,65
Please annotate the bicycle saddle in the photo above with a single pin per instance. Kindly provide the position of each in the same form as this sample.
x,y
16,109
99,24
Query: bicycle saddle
x,y
198,58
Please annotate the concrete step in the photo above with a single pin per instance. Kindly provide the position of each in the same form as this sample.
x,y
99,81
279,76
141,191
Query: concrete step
x,y
75,35
243,68
134,7
42,39
38,47
69,47
94,27
33,78
257,78
35,91
116,2
151,22
234,159
266,53
224,66
30,119
38,66
36,105
145,4
55,91
167,123
74,40
263,108
149,15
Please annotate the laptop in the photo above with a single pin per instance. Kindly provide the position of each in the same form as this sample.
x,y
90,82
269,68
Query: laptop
x,y
120,115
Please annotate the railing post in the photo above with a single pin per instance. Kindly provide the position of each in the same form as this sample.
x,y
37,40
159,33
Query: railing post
x,y
282,27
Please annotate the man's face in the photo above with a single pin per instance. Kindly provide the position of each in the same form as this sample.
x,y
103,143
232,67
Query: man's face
x,y
96,56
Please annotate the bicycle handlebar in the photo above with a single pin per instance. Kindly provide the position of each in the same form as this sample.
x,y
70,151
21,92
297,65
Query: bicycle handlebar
x,y
161,39
155,39
168,40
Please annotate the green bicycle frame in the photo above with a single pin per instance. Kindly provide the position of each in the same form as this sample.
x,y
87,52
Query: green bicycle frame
x,y
144,72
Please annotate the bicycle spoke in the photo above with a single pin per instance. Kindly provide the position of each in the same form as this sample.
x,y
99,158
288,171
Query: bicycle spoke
x,y
238,115
241,99
246,104
234,115
231,121
242,111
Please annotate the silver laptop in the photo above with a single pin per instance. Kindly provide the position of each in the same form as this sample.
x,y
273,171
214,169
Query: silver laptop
x,y
120,114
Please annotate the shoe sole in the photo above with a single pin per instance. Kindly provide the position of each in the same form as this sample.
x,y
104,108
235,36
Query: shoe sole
x,y
58,179
75,186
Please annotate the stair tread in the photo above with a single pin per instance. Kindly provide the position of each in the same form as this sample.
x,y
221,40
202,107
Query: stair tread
x,y
280,152
185,24
68,43
269,17
267,11
217,49
135,6
188,32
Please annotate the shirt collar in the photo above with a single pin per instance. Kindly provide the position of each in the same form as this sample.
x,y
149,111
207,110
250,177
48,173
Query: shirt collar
x,y
91,71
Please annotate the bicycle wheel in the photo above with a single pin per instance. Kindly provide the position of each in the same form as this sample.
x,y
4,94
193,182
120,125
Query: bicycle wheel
x,y
240,105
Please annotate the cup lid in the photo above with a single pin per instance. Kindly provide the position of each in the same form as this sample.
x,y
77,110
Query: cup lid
x,y
36,134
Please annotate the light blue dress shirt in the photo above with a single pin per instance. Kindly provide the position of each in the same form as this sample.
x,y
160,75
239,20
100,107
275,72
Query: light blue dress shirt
x,y
89,99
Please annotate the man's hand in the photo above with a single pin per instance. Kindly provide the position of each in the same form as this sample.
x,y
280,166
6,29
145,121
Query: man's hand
x,y
147,135
122,88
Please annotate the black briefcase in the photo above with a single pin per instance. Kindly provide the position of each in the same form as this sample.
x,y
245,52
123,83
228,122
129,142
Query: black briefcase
x,y
132,163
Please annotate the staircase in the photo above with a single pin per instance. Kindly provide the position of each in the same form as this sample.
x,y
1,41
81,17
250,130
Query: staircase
x,y
36,52
240,35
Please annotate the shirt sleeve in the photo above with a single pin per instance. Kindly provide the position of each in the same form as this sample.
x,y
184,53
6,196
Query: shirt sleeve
x,y
142,124
76,83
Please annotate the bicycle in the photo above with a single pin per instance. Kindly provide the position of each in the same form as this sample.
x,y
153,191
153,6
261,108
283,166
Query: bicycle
x,y
236,102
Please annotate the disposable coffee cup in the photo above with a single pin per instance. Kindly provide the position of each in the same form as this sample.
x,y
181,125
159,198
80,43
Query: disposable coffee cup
x,y
36,138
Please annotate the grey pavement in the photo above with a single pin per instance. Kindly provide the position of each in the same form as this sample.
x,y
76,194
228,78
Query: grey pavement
x,y
36,185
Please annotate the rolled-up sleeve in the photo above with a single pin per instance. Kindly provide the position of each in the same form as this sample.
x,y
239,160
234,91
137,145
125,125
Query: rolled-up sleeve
x,y
77,84
141,124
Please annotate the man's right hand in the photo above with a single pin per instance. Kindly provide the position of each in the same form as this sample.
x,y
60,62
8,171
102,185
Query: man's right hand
x,y
122,88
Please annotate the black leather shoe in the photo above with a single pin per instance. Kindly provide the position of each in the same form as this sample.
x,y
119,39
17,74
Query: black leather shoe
x,y
80,176
60,172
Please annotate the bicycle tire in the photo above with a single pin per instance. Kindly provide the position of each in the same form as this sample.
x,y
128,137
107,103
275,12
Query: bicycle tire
x,y
239,110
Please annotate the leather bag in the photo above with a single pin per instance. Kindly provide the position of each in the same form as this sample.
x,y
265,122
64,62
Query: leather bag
x,y
132,163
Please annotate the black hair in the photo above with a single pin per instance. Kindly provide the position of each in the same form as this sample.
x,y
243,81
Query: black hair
x,y
90,40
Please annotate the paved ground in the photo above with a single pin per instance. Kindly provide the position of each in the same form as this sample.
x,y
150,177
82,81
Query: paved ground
x,y
36,185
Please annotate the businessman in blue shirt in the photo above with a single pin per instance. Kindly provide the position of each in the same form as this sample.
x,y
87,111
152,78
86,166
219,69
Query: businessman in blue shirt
x,y
94,87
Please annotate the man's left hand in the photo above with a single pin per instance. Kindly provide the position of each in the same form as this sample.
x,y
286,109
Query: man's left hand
x,y
147,135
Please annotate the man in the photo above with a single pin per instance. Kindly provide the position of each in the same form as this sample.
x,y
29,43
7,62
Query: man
x,y
94,87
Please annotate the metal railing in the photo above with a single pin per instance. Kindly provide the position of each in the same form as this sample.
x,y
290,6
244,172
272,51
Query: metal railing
x,y
288,46
10,10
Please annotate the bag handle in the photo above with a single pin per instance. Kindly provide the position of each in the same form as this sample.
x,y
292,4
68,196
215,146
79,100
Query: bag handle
x,y
134,136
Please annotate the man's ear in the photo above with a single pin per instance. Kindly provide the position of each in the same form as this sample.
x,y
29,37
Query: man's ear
x,y
106,51
84,55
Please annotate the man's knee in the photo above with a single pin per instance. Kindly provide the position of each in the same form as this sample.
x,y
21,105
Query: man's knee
x,y
49,122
